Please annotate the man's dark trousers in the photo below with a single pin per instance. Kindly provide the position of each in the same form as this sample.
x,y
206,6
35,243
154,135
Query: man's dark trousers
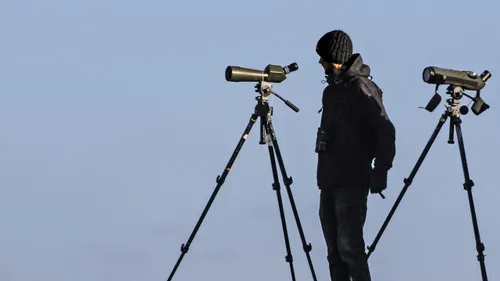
x,y
342,215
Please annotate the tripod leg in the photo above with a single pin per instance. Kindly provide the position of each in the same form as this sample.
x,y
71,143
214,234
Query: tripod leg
x,y
408,182
276,187
468,187
451,133
220,181
288,181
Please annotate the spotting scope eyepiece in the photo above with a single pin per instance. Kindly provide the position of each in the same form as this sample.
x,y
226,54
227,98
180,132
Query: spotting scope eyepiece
x,y
291,68
468,80
272,73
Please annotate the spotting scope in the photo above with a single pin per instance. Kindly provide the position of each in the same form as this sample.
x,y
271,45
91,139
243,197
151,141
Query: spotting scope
x,y
272,73
468,80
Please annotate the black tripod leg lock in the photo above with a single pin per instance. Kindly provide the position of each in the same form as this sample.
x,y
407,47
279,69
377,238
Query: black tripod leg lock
x,y
288,181
371,248
219,180
480,247
184,248
276,186
468,184
407,181
289,258
307,248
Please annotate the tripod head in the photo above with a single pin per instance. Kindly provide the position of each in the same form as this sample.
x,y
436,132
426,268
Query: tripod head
x,y
264,110
458,82
265,89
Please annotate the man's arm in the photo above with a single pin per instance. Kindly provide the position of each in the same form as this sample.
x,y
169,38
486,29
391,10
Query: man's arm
x,y
384,130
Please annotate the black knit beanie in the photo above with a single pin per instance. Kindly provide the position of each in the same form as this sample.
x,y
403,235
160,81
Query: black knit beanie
x,y
335,47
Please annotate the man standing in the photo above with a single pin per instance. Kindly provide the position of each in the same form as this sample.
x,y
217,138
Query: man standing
x,y
355,130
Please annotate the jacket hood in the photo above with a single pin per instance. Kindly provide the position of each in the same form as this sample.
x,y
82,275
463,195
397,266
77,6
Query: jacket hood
x,y
353,67
356,67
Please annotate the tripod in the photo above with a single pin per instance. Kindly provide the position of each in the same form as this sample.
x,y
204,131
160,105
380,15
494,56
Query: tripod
x,y
453,112
267,136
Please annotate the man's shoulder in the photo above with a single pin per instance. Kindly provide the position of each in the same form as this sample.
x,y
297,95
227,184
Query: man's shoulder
x,y
367,87
333,89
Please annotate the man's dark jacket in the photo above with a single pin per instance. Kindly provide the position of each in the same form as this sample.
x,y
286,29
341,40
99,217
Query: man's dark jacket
x,y
357,128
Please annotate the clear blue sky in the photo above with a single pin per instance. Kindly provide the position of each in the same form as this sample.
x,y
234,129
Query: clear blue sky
x,y
115,120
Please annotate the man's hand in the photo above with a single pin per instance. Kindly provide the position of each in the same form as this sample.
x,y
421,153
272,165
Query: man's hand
x,y
378,181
